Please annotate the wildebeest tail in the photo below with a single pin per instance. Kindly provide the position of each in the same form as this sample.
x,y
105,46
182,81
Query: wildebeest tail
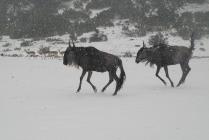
x,y
122,76
192,42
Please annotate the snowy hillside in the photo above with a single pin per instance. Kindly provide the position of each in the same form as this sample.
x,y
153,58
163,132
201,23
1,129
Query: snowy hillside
x,y
117,43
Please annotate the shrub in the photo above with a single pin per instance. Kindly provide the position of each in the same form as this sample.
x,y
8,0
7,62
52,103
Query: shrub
x,y
7,50
127,54
78,4
26,43
53,39
83,39
202,49
137,31
159,38
17,49
141,29
6,45
97,37
37,38
60,42
44,50
16,55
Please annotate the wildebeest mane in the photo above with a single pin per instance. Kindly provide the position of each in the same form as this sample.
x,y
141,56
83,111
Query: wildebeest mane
x,y
152,56
85,51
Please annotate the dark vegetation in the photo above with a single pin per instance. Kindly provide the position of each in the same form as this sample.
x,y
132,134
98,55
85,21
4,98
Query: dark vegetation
x,y
40,18
158,39
97,37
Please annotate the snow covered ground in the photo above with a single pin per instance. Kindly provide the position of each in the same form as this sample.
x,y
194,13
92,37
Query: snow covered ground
x,y
38,102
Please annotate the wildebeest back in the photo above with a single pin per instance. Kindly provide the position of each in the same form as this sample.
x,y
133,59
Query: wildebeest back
x,y
95,60
172,55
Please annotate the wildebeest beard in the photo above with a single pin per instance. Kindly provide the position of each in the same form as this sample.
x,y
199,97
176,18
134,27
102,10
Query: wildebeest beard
x,y
148,60
72,61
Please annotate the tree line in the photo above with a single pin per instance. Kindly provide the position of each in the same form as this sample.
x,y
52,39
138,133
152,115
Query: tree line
x,y
41,18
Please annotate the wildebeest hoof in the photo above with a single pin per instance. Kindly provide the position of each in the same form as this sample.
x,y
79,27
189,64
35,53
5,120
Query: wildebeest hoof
x,y
178,84
103,90
95,90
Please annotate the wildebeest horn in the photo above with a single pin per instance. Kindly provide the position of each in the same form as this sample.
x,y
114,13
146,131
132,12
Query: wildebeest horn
x,y
144,45
73,43
69,45
192,34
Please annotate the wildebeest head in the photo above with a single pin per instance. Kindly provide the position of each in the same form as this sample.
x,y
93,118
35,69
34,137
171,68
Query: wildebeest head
x,y
142,54
69,55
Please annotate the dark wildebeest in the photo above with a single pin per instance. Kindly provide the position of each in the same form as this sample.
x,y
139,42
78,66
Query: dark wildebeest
x,y
90,59
163,55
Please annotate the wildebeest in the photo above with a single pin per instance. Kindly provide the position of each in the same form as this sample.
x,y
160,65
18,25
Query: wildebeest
x,y
163,55
91,59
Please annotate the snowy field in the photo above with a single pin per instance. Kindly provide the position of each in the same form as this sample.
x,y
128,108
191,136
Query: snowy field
x,y
38,102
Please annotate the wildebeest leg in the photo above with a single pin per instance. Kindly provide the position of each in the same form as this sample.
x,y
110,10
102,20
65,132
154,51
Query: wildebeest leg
x,y
88,80
188,69
167,75
157,72
81,78
185,69
110,81
115,77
